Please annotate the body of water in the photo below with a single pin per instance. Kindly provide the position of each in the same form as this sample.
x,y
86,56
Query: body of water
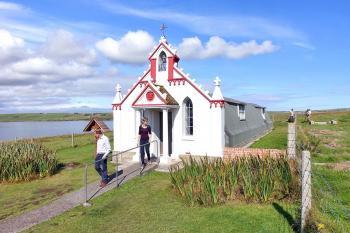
x,y
33,129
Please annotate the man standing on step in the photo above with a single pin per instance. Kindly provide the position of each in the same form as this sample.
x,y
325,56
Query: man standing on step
x,y
103,148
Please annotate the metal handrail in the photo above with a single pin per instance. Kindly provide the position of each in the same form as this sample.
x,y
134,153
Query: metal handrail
x,y
116,167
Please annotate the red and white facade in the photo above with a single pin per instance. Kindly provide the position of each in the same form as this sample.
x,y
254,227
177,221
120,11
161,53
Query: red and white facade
x,y
173,104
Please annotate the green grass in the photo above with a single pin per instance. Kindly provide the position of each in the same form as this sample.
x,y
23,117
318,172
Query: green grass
x,y
331,198
53,116
17,198
277,139
331,188
147,204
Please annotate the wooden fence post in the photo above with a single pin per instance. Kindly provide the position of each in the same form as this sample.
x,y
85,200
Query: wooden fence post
x,y
305,188
72,139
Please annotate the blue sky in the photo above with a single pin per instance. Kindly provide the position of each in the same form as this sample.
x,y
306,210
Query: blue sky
x,y
68,56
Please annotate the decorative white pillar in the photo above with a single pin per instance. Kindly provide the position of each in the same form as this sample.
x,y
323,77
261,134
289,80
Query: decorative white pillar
x,y
136,157
217,121
165,157
117,119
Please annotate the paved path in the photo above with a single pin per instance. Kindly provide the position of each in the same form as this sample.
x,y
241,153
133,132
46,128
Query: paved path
x,y
69,201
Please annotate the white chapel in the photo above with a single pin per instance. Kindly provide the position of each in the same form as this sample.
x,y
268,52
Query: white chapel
x,y
185,119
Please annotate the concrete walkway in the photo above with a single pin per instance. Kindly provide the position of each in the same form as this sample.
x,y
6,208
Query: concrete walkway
x,y
68,201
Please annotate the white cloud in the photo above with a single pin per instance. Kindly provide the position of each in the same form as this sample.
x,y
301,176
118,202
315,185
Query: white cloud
x,y
132,48
11,47
192,48
61,45
10,6
7,40
304,45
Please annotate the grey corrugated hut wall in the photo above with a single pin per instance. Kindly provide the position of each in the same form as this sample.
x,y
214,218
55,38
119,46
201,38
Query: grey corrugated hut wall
x,y
241,132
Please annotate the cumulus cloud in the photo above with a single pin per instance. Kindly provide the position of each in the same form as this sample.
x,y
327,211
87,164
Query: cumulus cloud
x,y
192,48
11,47
132,48
61,45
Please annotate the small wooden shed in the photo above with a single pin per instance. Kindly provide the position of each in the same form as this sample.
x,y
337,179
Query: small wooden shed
x,y
96,123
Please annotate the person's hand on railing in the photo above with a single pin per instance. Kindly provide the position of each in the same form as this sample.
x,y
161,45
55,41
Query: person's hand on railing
x,y
105,155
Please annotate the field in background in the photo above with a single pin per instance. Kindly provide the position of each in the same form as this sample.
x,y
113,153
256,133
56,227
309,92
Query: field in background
x,y
53,116
330,168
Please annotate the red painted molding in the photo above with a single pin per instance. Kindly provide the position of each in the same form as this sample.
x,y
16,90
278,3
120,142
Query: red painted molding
x,y
165,46
194,86
216,103
116,106
145,74
177,81
170,68
154,69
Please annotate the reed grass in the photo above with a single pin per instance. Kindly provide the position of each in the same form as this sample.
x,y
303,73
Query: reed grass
x,y
209,182
24,160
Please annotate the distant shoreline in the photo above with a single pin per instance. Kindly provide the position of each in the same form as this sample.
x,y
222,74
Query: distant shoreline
x,y
20,117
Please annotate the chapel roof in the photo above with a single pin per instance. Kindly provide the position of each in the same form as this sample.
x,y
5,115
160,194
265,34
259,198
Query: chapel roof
x,y
169,99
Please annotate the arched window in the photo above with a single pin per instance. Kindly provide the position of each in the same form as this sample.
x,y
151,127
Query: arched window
x,y
188,116
162,61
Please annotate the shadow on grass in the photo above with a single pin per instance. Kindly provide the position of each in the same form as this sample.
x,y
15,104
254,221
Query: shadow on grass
x,y
291,221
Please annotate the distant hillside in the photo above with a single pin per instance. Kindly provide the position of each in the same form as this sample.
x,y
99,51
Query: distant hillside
x,y
53,116
317,110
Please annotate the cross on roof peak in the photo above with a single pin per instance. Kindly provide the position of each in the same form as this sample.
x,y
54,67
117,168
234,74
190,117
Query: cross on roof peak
x,y
163,27
118,88
217,81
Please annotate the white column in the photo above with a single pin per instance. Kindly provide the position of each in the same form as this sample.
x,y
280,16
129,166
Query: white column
x,y
165,157
136,157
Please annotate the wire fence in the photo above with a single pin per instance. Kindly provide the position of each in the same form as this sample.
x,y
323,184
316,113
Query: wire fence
x,y
114,178
334,213
322,209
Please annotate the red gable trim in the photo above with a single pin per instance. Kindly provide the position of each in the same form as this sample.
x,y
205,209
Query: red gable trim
x,y
120,104
194,86
167,48
155,91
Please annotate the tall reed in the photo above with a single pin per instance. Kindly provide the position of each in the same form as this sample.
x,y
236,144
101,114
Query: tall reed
x,y
23,160
212,181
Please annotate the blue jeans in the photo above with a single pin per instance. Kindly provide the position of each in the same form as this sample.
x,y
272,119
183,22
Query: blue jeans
x,y
142,151
101,163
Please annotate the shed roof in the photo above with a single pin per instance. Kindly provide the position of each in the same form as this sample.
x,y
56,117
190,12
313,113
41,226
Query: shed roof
x,y
96,123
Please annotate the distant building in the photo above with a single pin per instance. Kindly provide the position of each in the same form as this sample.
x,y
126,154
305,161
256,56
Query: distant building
x,y
185,119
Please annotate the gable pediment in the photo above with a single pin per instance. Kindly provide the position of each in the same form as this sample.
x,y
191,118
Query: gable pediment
x,y
150,96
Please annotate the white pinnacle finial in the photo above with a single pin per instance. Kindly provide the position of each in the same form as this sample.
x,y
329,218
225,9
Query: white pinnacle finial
x,y
118,95
118,88
217,81
217,95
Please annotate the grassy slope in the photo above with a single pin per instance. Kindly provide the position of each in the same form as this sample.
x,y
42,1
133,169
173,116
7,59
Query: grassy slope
x,y
147,204
20,197
330,187
52,116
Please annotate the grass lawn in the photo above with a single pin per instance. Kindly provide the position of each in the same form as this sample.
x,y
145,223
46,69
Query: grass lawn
x,y
277,139
148,204
52,116
16,198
